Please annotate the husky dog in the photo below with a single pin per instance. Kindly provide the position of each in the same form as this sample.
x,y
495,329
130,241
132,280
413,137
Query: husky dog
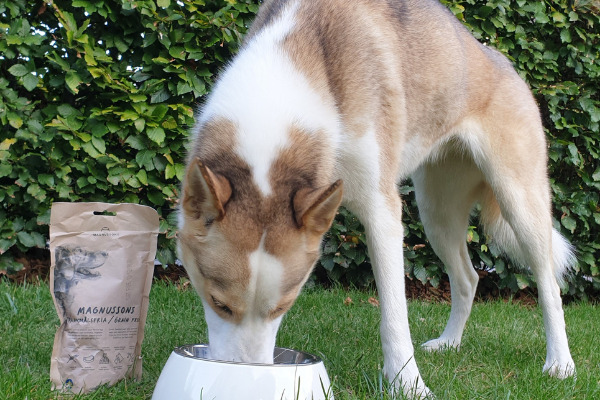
x,y
74,264
361,94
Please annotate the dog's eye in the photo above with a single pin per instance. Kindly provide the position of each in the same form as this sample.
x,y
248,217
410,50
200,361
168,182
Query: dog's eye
x,y
222,306
208,222
276,312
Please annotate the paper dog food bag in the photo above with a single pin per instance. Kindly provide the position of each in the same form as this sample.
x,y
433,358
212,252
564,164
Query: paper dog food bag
x,y
102,263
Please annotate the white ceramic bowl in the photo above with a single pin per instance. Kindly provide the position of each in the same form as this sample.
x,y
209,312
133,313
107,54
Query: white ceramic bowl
x,y
189,374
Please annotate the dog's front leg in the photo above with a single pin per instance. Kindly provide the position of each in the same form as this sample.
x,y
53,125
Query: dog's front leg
x,y
383,225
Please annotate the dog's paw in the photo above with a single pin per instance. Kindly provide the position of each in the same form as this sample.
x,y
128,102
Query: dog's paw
x,y
415,392
421,394
441,344
560,370
411,386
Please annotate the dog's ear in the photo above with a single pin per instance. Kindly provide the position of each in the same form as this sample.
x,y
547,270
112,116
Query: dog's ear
x,y
315,208
205,193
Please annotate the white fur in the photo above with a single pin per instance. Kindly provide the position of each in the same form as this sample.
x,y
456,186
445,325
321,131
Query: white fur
x,y
360,168
253,339
266,273
250,341
359,165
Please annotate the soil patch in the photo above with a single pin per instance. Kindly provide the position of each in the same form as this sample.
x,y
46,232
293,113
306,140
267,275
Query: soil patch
x,y
36,268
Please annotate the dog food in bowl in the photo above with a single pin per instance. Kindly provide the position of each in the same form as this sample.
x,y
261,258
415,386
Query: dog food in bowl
x,y
190,374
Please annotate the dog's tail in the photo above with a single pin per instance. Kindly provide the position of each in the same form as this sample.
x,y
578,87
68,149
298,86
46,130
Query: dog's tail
x,y
503,237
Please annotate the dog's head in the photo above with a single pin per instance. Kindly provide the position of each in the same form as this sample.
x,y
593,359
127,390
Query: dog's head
x,y
75,263
248,255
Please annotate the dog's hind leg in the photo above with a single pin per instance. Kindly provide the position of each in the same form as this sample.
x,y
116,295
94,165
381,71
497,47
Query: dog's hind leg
x,y
509,147
446,189
523,230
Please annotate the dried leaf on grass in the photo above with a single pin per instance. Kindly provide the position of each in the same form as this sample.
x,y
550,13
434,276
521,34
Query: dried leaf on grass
x,y
373,301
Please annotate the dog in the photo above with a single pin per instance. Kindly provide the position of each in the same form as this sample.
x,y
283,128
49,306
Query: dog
x,y
334,102
74,264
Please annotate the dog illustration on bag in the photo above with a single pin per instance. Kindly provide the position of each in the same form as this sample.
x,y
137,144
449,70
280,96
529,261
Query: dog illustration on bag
x,y
74,264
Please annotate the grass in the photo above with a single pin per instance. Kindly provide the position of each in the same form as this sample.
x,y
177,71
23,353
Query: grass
x,y
501,356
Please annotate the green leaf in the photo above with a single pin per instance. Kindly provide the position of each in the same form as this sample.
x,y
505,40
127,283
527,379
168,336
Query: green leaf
x,y
69,21
142,177
500,266
35,126
82,182
156,197
18,70
596,175
165,256
179,171
86,137
420,273
159,111
160,96
170,171
114,179
8,263
26,239
90,149
99,144
522,281
160,60
156,134
568,223
183,88
558,17
66,110
30,81
5,169
14,120
139,123
38,239
485,258
173,219
169,123
6,244
136,142
484,11
327,262
144,159
46,179
64,191
489,28
177,52
6,143
73,81
137,98
36,191
133,182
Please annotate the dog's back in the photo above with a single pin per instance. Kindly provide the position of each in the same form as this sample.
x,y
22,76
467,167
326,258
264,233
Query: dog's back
x,y
408,66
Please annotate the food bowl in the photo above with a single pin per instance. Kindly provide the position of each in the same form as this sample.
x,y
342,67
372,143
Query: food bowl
x,y
190,374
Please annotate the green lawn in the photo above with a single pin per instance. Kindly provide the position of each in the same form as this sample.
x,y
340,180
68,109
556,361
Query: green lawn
x,y
501,357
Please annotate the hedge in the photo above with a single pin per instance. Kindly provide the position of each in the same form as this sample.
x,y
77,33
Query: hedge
x,y
97,99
